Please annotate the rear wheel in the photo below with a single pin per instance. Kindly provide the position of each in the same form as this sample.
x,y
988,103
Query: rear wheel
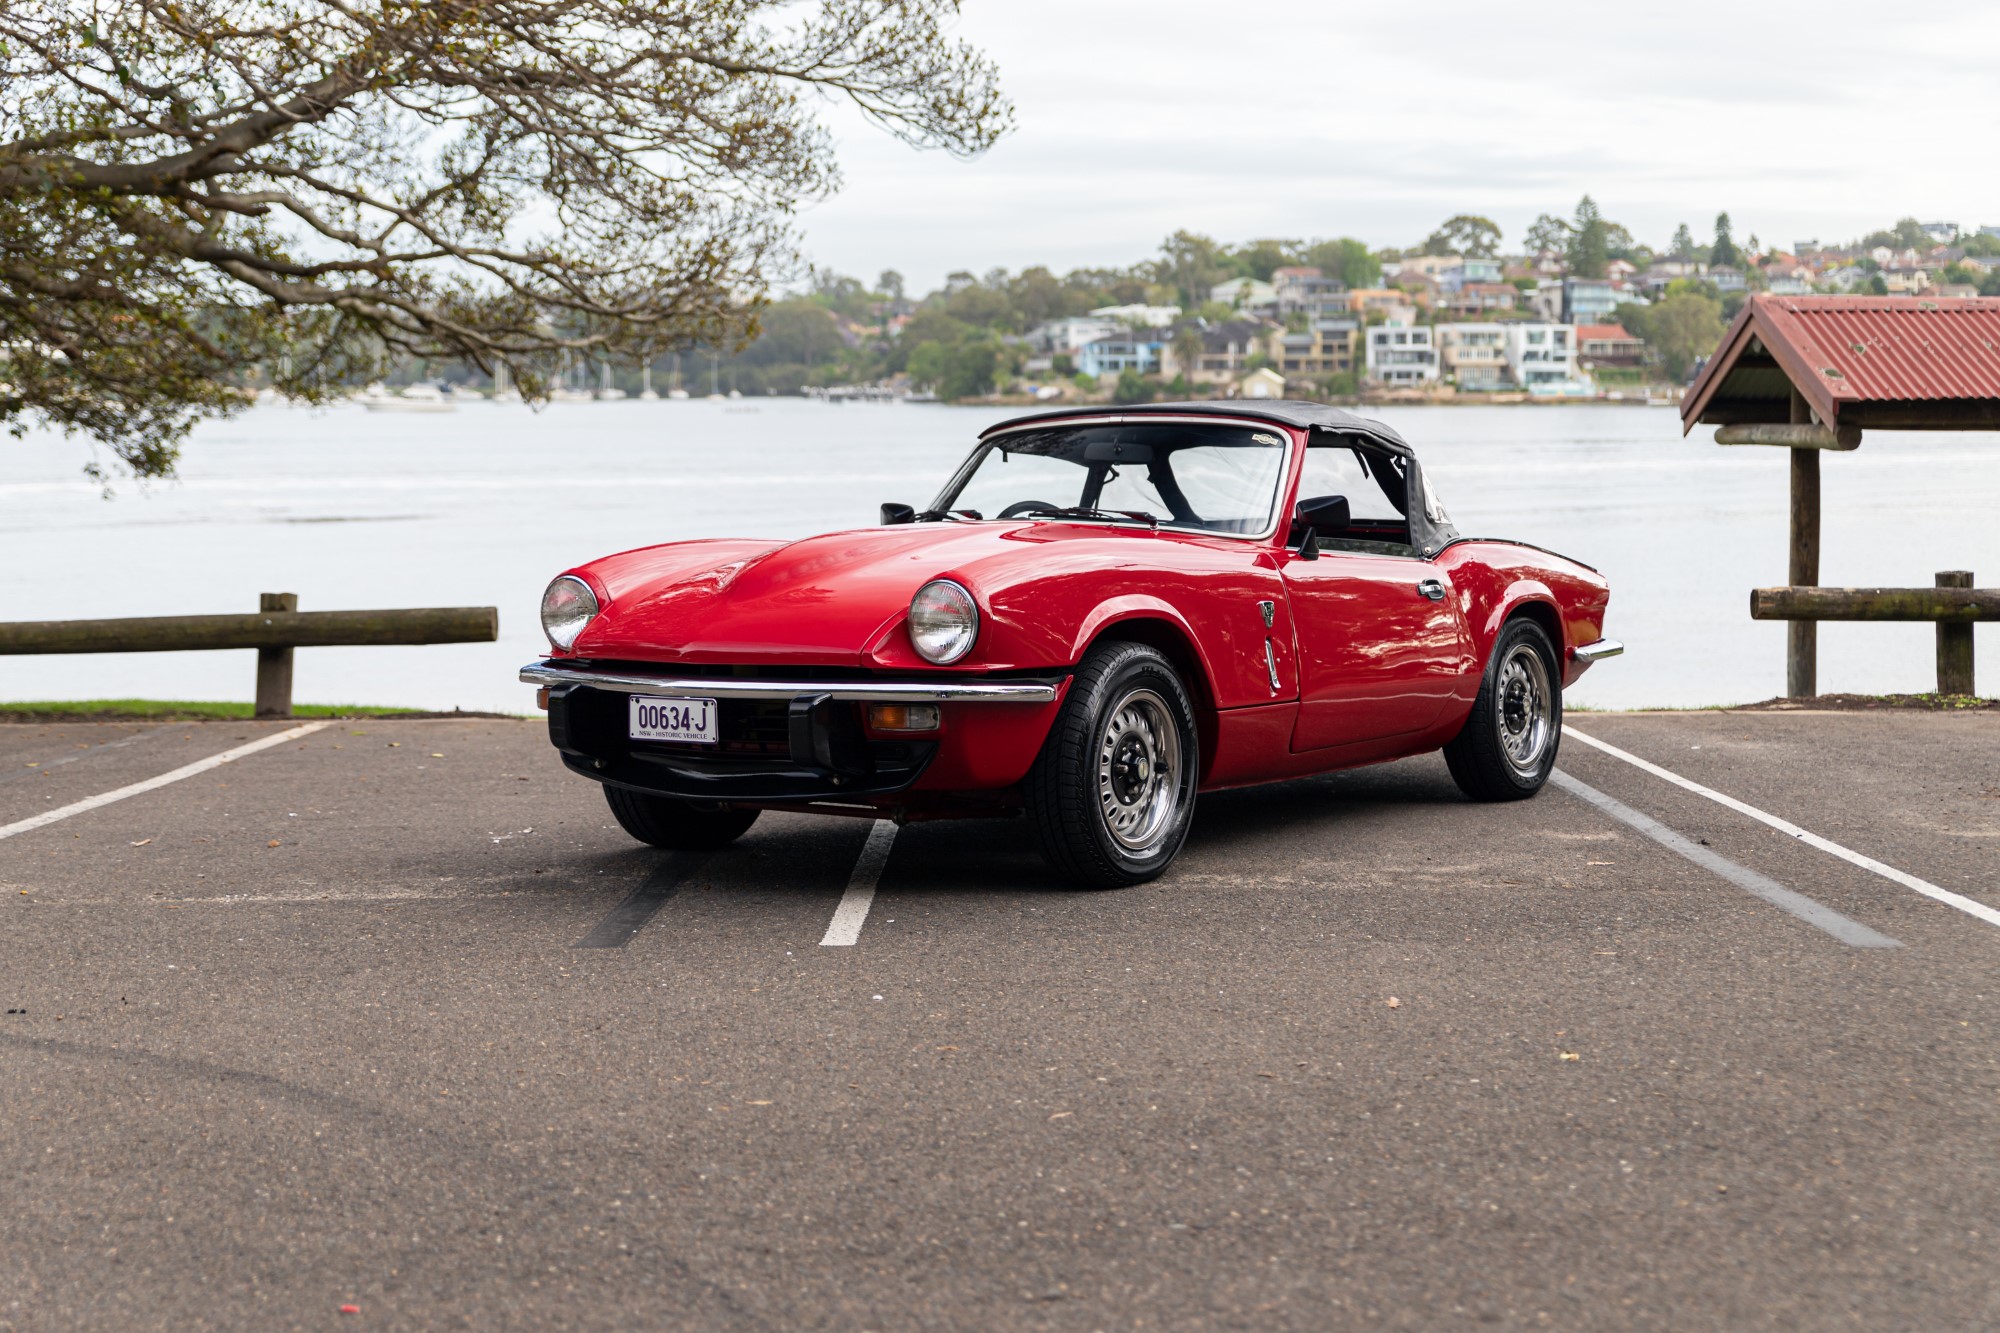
x,y
1112,795
677,825
1508,747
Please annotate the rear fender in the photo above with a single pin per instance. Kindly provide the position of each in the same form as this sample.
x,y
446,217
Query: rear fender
x,y
1533,600
1529,597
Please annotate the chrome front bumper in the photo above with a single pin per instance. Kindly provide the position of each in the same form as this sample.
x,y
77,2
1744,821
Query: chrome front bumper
x,y
737,687
1585,652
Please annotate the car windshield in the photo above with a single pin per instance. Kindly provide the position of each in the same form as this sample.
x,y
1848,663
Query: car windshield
x,y
1213,478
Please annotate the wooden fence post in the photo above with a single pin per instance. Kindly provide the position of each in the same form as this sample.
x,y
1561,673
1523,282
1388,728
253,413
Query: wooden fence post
x,y
1802,636
274,665
1954,641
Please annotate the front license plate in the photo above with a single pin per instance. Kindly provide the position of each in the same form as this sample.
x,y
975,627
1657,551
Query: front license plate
x,y
686,721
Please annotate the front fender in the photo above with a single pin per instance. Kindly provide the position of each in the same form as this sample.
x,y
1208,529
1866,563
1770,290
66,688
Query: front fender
x,y
1136,606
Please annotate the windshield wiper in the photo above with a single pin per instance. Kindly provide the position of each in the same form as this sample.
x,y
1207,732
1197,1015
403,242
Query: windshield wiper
x,y
1103,515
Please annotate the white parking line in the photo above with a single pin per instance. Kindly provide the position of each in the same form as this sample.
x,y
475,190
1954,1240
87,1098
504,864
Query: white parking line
x,y
1964,904
1845,929
849,917
89,803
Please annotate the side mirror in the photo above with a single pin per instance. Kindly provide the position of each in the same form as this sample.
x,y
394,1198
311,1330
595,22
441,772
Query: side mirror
x,y
1328,513
1309,545
893,513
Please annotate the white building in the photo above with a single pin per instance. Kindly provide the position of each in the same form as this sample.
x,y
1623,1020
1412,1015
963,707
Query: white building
x,y
1474,355
1143,316
1546,301
1303,290
1455,277
1430,266
1401,357
1541,358
1262,382
1120,352
1245,294
1072,335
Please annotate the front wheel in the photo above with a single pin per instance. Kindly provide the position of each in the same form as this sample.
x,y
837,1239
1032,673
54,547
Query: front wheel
x,y
1508,746
1112,794
677,825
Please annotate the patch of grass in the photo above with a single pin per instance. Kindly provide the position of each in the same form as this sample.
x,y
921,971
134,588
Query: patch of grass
x,y
178,710
1859,703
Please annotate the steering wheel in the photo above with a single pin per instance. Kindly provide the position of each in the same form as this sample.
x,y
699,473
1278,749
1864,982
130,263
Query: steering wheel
x,y
1020,507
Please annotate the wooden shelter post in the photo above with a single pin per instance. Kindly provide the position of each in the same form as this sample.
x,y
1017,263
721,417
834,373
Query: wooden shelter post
x,y
1802,647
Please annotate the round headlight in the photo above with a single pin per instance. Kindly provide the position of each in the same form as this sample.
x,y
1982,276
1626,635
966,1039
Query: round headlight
x,y
567,607
944,622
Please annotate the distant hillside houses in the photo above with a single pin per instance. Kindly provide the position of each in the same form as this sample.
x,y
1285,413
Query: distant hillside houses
x,y
1475,323
1536,357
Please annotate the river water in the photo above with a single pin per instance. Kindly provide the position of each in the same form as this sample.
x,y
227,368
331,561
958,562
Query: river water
x,y
351,509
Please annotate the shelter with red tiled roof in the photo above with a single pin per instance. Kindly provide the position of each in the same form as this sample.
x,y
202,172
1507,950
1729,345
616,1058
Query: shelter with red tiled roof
x,y
1810,373
1866,362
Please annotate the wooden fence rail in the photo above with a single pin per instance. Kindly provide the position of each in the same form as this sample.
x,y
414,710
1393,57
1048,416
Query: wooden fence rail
x,y
274,631
1954,604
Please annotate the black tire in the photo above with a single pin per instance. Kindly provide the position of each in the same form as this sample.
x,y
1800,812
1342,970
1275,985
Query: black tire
x,y
1507,748
1112,793
679,826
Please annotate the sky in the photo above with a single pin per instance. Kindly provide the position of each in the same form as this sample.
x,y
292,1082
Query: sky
x,y
1296,119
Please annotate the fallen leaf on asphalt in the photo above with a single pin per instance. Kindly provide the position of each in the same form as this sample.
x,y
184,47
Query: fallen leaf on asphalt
x,y
1061,1114
1571,1055
142,842
274,843
1395,1003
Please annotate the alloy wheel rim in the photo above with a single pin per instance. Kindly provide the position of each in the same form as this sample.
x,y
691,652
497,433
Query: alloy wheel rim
x,y
1139,771
1525,703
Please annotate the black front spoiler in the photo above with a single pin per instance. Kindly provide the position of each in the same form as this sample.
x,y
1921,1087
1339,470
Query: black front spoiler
x,y
807,748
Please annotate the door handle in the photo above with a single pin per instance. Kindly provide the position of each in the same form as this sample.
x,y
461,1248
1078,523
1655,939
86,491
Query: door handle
x,y
1432,589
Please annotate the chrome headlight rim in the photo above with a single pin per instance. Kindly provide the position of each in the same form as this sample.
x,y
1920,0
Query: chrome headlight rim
x,y
564,632
961,647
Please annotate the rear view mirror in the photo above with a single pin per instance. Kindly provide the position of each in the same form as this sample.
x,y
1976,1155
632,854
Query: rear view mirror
x,y
1111,451
893,513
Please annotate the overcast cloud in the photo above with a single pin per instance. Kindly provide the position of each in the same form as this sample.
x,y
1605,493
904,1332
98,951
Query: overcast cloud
x,y
1298,119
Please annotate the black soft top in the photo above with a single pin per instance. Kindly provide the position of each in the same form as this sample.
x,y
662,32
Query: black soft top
x,y
1284,411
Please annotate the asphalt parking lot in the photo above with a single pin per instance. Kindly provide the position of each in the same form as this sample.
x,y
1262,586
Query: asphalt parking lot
x,y
390,1015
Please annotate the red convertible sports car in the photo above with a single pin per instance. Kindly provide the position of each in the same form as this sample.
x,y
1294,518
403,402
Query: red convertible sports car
x,y
1105,612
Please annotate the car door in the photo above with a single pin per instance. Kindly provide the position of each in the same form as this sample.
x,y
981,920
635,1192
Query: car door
x,y
1382,640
